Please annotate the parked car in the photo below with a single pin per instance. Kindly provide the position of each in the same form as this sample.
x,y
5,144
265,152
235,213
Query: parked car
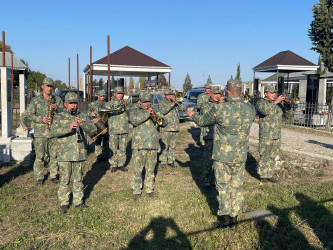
x,y
62,92
190,101
154,99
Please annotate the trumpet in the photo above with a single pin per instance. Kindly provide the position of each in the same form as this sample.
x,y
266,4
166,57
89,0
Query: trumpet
x,y
295,100
159,121
179,97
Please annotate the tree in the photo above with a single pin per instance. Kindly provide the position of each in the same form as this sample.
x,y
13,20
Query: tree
x,y
131,82
187,83
238,75
321,70
58,84
209,80
112,83
35,80
100,84
162,81
142,82
320,32
7,49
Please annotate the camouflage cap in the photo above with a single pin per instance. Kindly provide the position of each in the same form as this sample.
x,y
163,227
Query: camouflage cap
x,y
216,90
144,96
207,86
270,89
71,97
234,83
119,90
168,91
48,81
101,93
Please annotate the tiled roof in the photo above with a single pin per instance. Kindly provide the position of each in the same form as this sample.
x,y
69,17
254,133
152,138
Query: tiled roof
x,y
131,57
285,58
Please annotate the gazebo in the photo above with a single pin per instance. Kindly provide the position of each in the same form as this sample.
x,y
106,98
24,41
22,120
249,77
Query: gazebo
x,y
127,62
284,62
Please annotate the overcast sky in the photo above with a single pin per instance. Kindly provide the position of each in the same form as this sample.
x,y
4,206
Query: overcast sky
x,y
197,37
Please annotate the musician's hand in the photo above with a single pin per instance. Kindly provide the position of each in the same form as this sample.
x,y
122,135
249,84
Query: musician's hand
x,y
54,106
190,112
221,100
79,120
25,128
150,110
93,114
279,99
46,119
73,126
125,102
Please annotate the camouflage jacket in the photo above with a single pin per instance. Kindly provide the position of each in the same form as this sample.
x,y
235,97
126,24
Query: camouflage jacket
x,y
270,118
232,121
170,114
118,120
69,149
36,110
202,99
209,131
96,106
145,134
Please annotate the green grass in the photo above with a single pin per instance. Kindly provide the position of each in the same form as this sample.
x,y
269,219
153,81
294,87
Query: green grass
x,y
179,218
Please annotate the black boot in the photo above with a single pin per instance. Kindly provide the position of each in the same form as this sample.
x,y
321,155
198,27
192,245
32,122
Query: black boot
x,y
233,223
222,221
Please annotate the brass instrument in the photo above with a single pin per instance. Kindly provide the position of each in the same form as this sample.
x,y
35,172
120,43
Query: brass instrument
x,y
79,137
159,121
99,124
179,96
288,100
246,97
50,112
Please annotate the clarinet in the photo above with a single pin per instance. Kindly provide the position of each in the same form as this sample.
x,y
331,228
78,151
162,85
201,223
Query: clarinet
x,y
79,138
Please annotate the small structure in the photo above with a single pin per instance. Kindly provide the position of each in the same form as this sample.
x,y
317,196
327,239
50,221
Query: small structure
x,y
127,62
12,147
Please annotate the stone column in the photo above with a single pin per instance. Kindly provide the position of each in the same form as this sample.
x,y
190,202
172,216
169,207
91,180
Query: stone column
x,y
322,91
6,103
251,89
302,88
23,84
84,81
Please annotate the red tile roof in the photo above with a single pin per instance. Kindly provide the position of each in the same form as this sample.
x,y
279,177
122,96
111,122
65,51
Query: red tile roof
x,y
285,58
131,57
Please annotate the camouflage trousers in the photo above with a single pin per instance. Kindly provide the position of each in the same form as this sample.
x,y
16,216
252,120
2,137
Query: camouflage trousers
x,y
118,144
143,159
203,133
169,140
268,149
229,184
102,146
207,168
67,169
44,147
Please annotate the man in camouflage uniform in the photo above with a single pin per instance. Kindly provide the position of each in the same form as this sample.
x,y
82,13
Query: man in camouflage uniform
x,y
118,130
202,99
38,112
144,145
270,111
169,108
232,121
70,128
102,141
216,97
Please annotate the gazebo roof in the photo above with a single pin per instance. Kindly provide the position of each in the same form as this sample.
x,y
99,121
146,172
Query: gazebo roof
x,y
17,64
128,62
285,61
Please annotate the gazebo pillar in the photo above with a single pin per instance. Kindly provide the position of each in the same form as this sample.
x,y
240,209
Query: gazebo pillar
x,y
23,84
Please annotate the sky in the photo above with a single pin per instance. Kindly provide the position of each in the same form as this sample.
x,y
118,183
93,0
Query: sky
x,y
200,38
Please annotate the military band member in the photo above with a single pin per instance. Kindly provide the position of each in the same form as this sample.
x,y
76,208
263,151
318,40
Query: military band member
x,y
118,130
70,127
202,99
216,97
144,145
169,108
232,121
270,111
102,141
40,111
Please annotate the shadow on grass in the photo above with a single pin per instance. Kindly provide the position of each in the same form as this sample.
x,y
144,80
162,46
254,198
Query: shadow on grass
x,y
251,166
325,145
16,171
93,176
285,235
158,228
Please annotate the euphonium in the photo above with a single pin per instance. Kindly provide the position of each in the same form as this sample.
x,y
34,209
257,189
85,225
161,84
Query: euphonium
x,y
246,97
179,96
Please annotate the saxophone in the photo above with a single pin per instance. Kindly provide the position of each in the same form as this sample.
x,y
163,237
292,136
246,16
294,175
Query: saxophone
x,y
50,112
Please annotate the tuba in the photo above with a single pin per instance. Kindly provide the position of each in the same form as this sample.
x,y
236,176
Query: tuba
x,y
179,96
